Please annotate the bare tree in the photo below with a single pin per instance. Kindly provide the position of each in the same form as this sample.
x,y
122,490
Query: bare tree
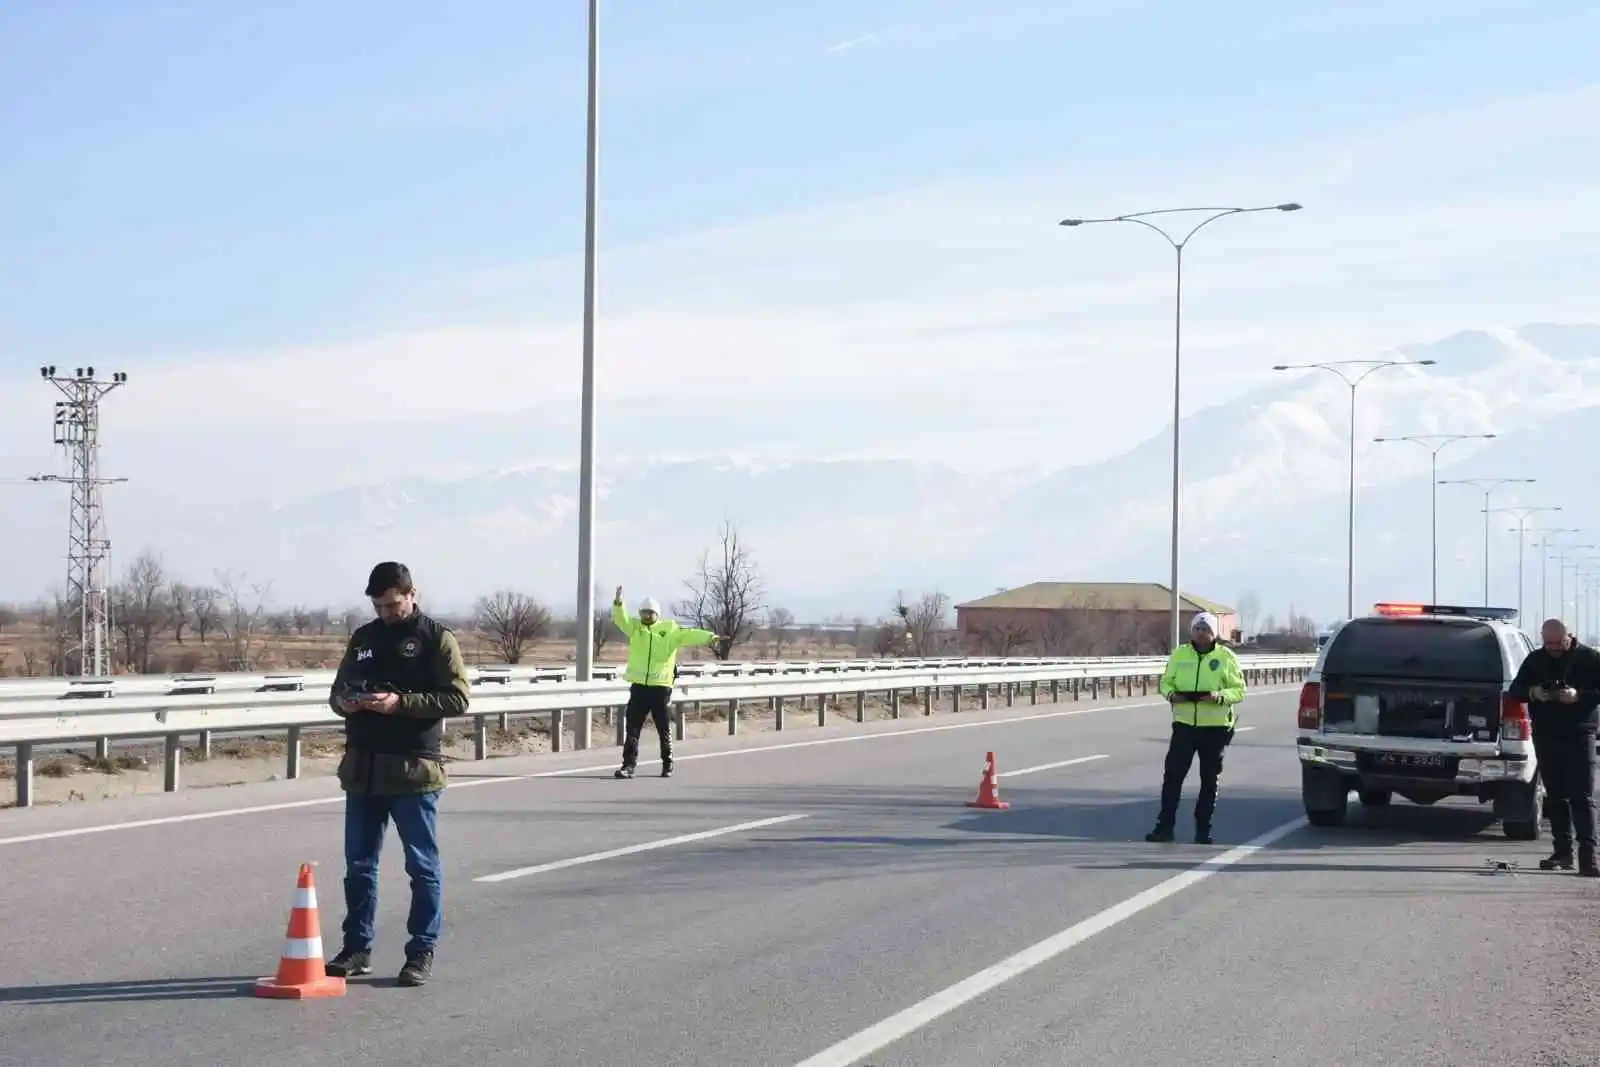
x,y
925,621
242,610
890,638
1004,638
142,609
206,609
604,629
725,594
779,621
9,616
1249,609
180,598
510,621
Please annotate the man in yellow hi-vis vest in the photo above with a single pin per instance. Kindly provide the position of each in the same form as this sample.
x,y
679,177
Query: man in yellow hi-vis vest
x,y
1204,685
653,644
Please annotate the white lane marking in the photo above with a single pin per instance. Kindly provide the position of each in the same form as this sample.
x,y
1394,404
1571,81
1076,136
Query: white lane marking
x,y
902,1024
1002,775
257,809
630,850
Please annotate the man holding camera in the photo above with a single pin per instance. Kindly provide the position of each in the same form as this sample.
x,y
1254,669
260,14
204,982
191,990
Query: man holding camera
x,y
1561,683
402,674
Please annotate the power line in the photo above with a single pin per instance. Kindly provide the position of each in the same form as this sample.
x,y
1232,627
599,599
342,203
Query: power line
x,y
77,430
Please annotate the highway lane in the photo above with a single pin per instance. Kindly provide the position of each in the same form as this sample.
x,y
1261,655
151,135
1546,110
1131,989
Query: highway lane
x,y
761,946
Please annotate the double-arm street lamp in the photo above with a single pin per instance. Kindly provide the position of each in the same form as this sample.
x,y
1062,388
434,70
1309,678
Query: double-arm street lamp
x,y
1142,218
1488,485
1435,443
1347,371
1522,515
1544,563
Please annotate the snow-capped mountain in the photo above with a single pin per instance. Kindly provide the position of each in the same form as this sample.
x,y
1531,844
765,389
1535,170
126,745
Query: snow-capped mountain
x,y
1264,491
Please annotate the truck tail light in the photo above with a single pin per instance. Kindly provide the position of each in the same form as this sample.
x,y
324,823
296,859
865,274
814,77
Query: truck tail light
x,y
1310,717
1515,725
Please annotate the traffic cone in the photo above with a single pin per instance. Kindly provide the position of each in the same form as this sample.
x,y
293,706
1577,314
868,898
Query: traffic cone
x,y
302,973
989,789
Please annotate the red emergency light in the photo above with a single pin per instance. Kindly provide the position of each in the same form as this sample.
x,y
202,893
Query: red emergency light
x,y
1400,609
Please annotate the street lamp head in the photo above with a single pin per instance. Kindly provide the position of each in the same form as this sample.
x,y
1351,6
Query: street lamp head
x,y
1426,362
1071,222
1280,366
1289,207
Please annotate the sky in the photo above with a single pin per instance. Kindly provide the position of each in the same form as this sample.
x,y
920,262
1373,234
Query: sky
x,y
337,242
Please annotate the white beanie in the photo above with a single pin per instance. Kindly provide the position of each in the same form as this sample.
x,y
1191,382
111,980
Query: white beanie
x,y
649,604
1209,621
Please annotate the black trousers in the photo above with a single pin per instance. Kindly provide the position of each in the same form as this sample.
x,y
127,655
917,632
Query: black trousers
x,y
1207,742
647,702
1567,765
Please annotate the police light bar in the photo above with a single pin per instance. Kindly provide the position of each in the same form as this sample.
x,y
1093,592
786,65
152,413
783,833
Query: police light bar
x,y
1393,609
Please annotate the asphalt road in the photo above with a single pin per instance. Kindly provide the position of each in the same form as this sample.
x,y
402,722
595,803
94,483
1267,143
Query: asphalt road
x,y
883,923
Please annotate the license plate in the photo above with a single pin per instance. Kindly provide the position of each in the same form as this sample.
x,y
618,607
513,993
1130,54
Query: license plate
x,y
1408,759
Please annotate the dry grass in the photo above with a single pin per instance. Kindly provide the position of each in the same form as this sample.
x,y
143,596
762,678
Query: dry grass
x,y
25,652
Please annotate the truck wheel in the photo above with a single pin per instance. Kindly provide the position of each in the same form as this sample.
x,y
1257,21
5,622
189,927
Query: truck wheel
x,y
1326,795
1374,798
1520,806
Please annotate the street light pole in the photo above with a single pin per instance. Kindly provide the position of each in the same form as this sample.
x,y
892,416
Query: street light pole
x,y
1435,443
585,656
1488,485
1178,244
1522,515
1337,368
1544,564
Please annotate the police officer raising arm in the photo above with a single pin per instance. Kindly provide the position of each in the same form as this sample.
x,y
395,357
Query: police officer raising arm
x,y
1204,685
653,644
1561,683
401,676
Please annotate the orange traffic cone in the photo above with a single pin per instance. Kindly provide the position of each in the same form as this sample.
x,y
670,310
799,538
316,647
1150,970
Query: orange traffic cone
x,y
989,789
301,971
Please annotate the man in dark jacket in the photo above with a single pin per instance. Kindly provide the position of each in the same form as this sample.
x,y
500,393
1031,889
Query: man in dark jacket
x,y
1561,683
402,674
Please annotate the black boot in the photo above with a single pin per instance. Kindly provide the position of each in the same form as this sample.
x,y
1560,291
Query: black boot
x,y
1202,834
1559,860
624,772
1587,868
1161,834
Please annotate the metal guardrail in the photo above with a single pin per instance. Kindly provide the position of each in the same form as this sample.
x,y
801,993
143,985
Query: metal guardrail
x,y
27,724
208,684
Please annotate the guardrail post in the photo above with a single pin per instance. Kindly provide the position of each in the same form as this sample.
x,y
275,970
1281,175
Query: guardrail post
x,y
620,717
102,749
894,703
955,700
25,775
1033,692
861,705
1094,688
203,745
583,729
776,704
172,758
558,726
291,753
480,737
822,709
928,692
1055,690
983,697
682,726
1011,694
1144,686
733,717
505,722
1077,689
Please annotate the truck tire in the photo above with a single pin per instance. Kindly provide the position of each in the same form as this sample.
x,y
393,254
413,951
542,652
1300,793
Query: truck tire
x,y
1520,806
1374,798
1326,795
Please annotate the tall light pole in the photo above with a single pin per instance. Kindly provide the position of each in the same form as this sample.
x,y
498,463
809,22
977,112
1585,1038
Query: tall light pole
x,y
1521,515
1178,244
1435,443
585,656
1367,367
1562,563
1488,485
1544,563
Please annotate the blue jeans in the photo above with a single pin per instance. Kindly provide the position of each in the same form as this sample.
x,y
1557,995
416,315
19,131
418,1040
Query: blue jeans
x,y
366,819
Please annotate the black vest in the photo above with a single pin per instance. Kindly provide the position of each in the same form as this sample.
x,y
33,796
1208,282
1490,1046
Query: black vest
x,y
396,659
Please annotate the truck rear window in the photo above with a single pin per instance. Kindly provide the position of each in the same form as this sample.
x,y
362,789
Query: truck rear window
x,y
1415,648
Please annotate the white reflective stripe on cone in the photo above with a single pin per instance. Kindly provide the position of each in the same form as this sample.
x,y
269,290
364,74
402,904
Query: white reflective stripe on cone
x,y
303,948
305,899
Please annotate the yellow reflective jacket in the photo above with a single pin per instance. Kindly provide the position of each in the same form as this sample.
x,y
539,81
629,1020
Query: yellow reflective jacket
x,y
653,649
1215,672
